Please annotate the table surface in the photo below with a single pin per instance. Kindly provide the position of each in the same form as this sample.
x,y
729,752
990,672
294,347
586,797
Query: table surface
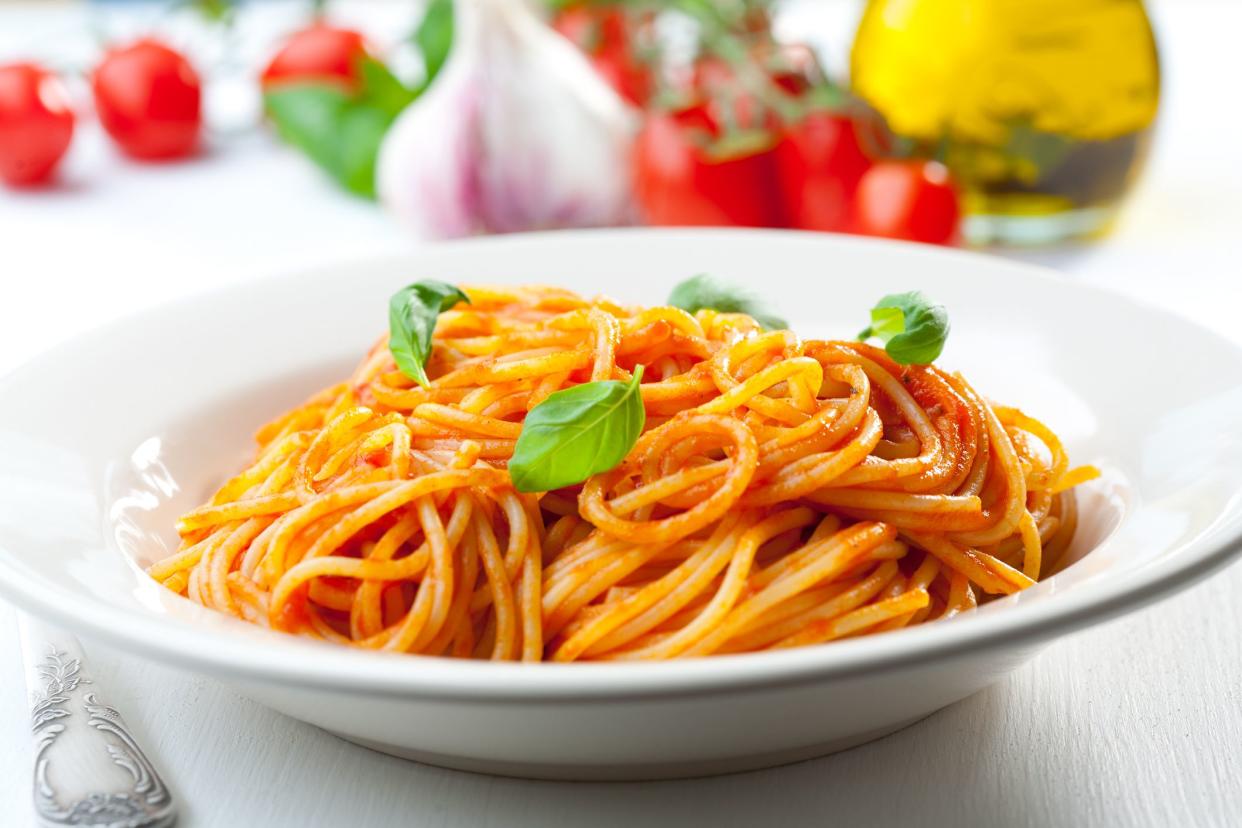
x,y
1137,722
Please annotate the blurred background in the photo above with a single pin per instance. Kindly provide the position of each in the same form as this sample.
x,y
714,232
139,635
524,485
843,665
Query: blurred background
x,y
218,138
1022,122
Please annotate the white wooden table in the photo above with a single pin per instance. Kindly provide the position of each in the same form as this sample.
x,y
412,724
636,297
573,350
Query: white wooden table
x,y
1135,723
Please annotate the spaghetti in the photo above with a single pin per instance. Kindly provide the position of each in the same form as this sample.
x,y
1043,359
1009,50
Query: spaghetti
x,y
783,493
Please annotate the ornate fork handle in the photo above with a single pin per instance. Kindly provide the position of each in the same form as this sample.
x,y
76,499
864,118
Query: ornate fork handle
x,y
88,769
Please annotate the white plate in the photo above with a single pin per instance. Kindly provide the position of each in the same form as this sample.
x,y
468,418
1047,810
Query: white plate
x,y
104,441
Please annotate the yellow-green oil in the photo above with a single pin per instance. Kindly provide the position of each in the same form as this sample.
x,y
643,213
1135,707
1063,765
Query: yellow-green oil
x,y
1043,109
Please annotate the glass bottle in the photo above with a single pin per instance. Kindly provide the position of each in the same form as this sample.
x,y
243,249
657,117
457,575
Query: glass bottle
x,y
1043,109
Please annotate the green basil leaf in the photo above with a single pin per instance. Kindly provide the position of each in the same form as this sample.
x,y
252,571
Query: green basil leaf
x,y
338,133
340,130
576,433
381,89
434,37
412,314
702,291
306,115
885,324
361,129
912,327
213,11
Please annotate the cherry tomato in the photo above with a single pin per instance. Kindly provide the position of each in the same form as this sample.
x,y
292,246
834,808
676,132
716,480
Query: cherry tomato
x,y
820,162
149,100
913,200
318,53
686,174
36,123
607,36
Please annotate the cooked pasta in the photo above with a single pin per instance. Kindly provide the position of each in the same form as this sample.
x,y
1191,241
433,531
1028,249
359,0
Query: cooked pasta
x,y
783,492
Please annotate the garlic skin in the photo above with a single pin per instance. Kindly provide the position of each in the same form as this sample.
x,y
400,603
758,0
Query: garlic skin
x,y
516,133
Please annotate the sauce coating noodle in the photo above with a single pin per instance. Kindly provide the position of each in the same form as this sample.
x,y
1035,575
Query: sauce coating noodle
x,y
783,493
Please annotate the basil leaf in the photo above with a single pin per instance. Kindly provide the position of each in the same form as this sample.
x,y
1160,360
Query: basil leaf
x,y
912,328
885,324
306,116
214,11
703,292
381,89
340,130
412,314
362,130
576,433
434,37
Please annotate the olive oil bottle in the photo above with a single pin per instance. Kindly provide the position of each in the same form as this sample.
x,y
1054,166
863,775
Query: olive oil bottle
x,y
1043,109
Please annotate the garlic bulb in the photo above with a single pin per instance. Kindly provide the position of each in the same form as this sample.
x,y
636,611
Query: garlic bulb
x,y
517,132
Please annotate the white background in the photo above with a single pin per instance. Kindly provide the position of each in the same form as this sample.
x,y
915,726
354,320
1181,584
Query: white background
x,y
1138,722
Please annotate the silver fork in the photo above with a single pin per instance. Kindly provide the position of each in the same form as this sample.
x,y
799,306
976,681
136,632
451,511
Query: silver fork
x,y
88,768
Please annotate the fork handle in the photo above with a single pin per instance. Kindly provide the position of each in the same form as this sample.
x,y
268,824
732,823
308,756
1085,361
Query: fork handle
x,y
88,768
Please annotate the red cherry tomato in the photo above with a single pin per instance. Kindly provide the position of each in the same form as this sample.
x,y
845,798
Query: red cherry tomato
x,y
679,181
149,100
36,123
820,162
913,200
607,36
319,53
